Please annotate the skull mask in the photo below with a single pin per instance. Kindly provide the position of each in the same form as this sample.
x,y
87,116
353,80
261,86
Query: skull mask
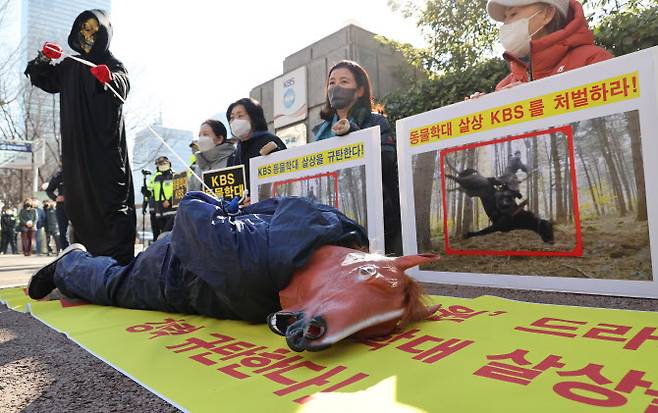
x,y
88,31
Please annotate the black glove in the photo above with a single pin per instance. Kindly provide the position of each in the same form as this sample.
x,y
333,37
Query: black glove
x,y
42,58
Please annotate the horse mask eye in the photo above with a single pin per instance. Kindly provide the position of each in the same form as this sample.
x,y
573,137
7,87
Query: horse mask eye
x,y
367,272
316,312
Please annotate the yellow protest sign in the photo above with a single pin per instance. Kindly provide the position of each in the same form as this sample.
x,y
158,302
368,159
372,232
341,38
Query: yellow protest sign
x,y
484,354
612,90
180,188
313,160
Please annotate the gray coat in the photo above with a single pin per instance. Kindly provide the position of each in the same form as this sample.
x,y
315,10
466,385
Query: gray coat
x,y
215,158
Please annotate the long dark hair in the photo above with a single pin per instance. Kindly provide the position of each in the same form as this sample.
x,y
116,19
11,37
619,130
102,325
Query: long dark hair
x,y
362,80
254,110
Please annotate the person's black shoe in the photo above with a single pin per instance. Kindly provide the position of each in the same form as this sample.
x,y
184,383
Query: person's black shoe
x,y
546,231
43,281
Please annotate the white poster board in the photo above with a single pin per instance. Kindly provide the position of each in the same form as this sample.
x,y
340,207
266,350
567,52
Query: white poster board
x,y
290,98
481,180
293,135
344,172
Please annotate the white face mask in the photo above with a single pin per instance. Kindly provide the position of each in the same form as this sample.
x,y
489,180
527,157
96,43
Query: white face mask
x,y
515,37
205,143
241,128
164,168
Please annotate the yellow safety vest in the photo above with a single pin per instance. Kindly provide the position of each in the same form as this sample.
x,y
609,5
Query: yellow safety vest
x,y
162,188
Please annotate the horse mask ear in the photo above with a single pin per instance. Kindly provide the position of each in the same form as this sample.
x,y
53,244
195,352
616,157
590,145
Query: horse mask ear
x,y
415,308
408,261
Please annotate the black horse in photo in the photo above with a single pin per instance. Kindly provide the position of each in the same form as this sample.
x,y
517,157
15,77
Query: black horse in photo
x,y
499,200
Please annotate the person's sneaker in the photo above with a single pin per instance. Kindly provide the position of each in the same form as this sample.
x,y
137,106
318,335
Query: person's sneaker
x,y
43,281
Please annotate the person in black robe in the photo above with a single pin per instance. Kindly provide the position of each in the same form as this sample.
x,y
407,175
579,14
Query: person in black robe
x,y
99,189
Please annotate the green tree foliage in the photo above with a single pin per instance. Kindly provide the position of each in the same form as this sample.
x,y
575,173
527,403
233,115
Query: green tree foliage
x,y
457,34
441,91
596,10
629,30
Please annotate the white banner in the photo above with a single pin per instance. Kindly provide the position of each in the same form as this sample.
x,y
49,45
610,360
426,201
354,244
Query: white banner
x,y
542,186
344,172
290,98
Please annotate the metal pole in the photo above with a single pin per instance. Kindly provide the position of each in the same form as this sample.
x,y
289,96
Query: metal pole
x,y
35,174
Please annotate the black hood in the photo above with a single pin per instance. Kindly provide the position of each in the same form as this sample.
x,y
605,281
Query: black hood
x,y
103,36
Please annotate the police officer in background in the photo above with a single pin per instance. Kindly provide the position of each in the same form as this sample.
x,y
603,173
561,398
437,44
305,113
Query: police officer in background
x,y
160,191
8,224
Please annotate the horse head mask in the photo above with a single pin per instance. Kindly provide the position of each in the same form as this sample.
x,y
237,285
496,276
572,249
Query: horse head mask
x,y
342,292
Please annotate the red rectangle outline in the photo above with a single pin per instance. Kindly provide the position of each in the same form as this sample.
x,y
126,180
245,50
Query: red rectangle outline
x,y
306,178
577,251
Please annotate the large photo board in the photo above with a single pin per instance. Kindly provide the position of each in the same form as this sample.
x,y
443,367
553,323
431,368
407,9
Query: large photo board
x,y
543,186
344,172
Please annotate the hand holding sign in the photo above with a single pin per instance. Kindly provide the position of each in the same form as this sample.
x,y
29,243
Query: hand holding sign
x,y
342,127
268,148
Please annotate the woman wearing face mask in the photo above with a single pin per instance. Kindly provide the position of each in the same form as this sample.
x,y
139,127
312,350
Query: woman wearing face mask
x,y
249,126
214,151
27,219
348,107
543,38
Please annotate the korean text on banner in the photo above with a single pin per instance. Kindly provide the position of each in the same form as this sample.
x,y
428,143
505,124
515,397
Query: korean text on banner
x,y
612,90
329,157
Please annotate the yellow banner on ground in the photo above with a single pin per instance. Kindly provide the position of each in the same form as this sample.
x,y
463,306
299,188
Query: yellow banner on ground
x,y
615,89
474,355
313,160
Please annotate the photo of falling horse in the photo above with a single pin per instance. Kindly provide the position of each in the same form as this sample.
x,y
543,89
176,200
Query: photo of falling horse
x,y
498,197
299,266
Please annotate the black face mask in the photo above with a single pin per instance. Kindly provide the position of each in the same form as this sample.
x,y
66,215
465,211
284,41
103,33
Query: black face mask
x,y
340,97
26,206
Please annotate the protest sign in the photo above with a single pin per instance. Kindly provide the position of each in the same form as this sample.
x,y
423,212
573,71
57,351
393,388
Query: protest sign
x,y
542,186
180,188
226,182
344,172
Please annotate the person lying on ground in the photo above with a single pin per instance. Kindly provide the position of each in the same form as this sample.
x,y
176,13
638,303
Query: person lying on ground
x,y
225,263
